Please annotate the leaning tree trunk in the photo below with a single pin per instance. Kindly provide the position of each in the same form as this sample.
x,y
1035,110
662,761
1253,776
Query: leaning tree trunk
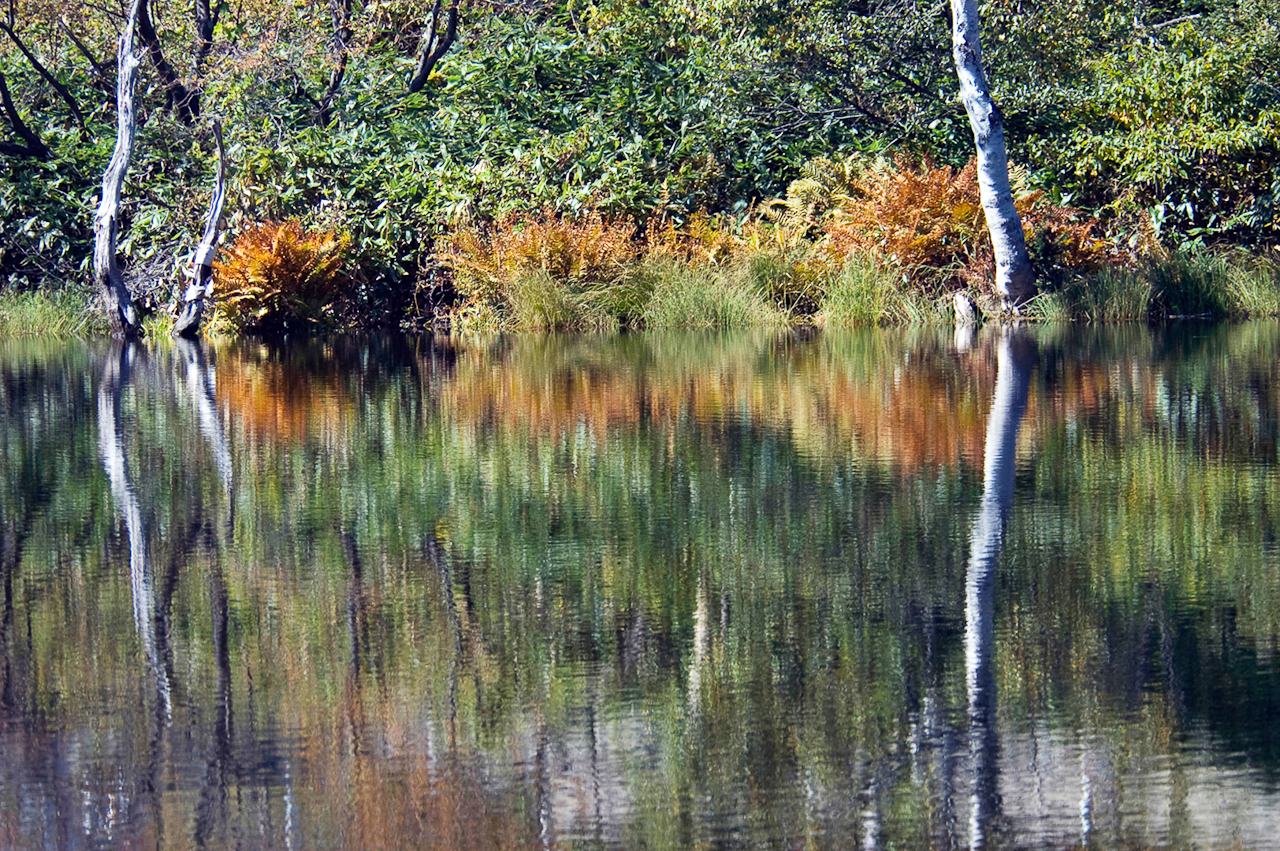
x,y
197,294
106,227
1015,279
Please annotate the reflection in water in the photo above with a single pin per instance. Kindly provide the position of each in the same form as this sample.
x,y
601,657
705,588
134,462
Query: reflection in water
x,y
643,591
1015,358
148,619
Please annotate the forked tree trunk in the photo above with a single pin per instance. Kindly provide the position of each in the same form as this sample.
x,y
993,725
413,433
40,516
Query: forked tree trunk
x,y
106,227
194,300
1015,279
435,43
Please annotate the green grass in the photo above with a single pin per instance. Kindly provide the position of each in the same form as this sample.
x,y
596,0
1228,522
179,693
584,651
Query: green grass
x,y
52,314
701,296
869,293
774,289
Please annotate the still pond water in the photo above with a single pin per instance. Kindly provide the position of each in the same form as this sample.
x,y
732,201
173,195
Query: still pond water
x,y
886,589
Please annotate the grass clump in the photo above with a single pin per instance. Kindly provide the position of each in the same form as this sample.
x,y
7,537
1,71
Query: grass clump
x,y
36,313
278,278
1253,284
684,295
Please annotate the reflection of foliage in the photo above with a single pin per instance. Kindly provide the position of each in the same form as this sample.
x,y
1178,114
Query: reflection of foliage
x,y
449,570
279,276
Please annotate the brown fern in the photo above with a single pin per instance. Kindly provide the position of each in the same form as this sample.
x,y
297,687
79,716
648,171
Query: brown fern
x,y
277,275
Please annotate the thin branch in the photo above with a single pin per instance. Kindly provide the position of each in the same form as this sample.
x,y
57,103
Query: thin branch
x,y
35,147
101,74
44,72
1173,22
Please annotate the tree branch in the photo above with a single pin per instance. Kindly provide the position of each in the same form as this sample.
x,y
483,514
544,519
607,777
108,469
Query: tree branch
x,y
341,11
184,102
35,147
63,91
100,73
435,44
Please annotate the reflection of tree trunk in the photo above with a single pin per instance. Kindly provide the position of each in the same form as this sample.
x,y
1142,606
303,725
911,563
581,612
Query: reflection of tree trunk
x,y
150,619
213,809
1015,357
10,558
200,384
141,583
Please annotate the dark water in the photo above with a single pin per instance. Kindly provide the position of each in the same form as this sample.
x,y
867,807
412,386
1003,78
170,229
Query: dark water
x,y
754,591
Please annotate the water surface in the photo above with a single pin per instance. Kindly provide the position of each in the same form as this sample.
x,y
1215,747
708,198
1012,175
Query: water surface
x,y
885,589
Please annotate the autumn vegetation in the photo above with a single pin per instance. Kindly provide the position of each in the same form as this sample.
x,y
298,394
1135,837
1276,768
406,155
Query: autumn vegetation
x,y
491,166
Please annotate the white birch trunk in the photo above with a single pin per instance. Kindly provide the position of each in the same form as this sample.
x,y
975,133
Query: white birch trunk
x,y
1015,280
106,227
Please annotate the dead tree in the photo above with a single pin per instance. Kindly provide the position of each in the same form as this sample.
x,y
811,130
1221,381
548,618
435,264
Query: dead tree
x,y
106,227
198,293
435,43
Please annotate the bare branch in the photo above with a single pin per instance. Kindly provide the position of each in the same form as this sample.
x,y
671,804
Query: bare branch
x,y
101,74
35,147
435,44
63,91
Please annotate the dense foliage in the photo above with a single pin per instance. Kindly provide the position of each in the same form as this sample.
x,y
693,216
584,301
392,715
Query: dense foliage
x,y
1159,119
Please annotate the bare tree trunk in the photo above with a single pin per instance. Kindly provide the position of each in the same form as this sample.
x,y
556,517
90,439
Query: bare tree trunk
x,y
1015,279
106,227
206,18
193,307
435,44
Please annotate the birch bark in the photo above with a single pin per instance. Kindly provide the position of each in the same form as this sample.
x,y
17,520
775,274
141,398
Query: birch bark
x,y
1015,279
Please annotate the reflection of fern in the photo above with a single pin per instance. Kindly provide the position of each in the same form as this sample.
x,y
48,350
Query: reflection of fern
x,y
278,274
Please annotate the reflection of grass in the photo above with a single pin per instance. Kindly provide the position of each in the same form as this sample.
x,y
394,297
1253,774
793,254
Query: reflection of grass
x,y
58,314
